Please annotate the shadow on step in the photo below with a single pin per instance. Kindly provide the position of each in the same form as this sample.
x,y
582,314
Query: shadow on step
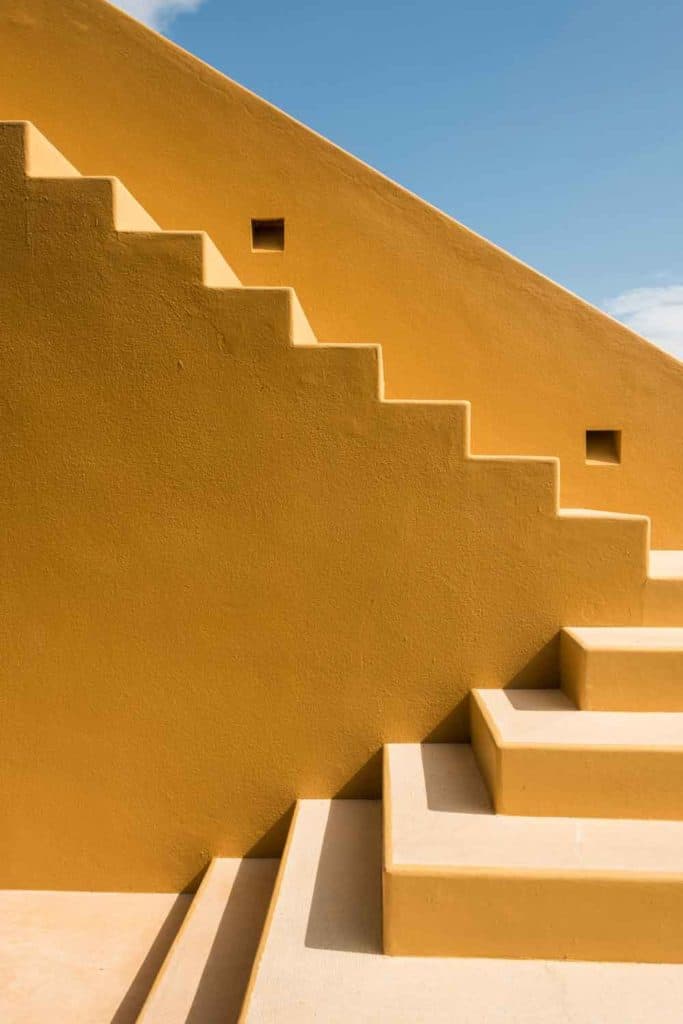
x,y
131,1004
221,988
541,700
452,780
346,906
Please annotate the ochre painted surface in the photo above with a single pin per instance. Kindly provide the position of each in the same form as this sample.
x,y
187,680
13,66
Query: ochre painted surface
x,y
462,880
231,571
540,755
637,669
518,914
457,317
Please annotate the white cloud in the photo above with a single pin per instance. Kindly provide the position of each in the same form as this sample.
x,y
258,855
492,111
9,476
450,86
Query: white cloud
x,y
157,13
656,313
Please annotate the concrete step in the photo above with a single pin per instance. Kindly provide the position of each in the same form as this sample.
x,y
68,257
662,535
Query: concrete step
x,y
320,958
205,974
541,755
462,880
623,668
663,604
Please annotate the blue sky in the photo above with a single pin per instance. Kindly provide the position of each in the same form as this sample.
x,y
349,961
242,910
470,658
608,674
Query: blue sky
x,y
553,128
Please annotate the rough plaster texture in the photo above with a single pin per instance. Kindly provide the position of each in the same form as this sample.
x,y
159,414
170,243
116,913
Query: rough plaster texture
x,y
230,570
457,317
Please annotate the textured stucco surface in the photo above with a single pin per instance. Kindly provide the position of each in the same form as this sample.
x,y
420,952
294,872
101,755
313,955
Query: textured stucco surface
x,y
457,317
230,571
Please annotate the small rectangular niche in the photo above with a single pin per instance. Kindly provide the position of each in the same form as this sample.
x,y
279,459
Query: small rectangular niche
x,y
603,447
268,235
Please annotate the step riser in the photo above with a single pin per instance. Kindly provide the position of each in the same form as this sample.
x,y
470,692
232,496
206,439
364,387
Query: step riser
x,y
621,680
595,784
585,782
663,603
533,917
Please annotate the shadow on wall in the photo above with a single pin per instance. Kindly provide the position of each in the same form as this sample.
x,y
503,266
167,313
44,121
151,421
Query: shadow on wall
x,y
366,784
272,842
346,906
541,671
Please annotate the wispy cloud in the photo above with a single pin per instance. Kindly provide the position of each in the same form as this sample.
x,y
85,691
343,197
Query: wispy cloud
x,y
656,313
157,13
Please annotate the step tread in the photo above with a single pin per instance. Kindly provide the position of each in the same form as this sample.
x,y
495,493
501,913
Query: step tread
x,y
597,513
628,638
321,961
666,565
549,718
207,969
441,815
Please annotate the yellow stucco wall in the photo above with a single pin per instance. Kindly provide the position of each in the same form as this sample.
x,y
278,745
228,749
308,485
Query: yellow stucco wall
x,y
230,570
457,318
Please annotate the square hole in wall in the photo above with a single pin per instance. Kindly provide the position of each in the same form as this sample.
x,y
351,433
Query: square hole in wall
x,y
603,447
268,235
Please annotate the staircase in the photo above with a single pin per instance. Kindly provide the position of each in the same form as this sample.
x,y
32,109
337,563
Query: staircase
x,y
535,874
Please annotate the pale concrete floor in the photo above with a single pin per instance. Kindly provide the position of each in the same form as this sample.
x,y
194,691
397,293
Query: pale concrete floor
x,y
322,961
82,958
